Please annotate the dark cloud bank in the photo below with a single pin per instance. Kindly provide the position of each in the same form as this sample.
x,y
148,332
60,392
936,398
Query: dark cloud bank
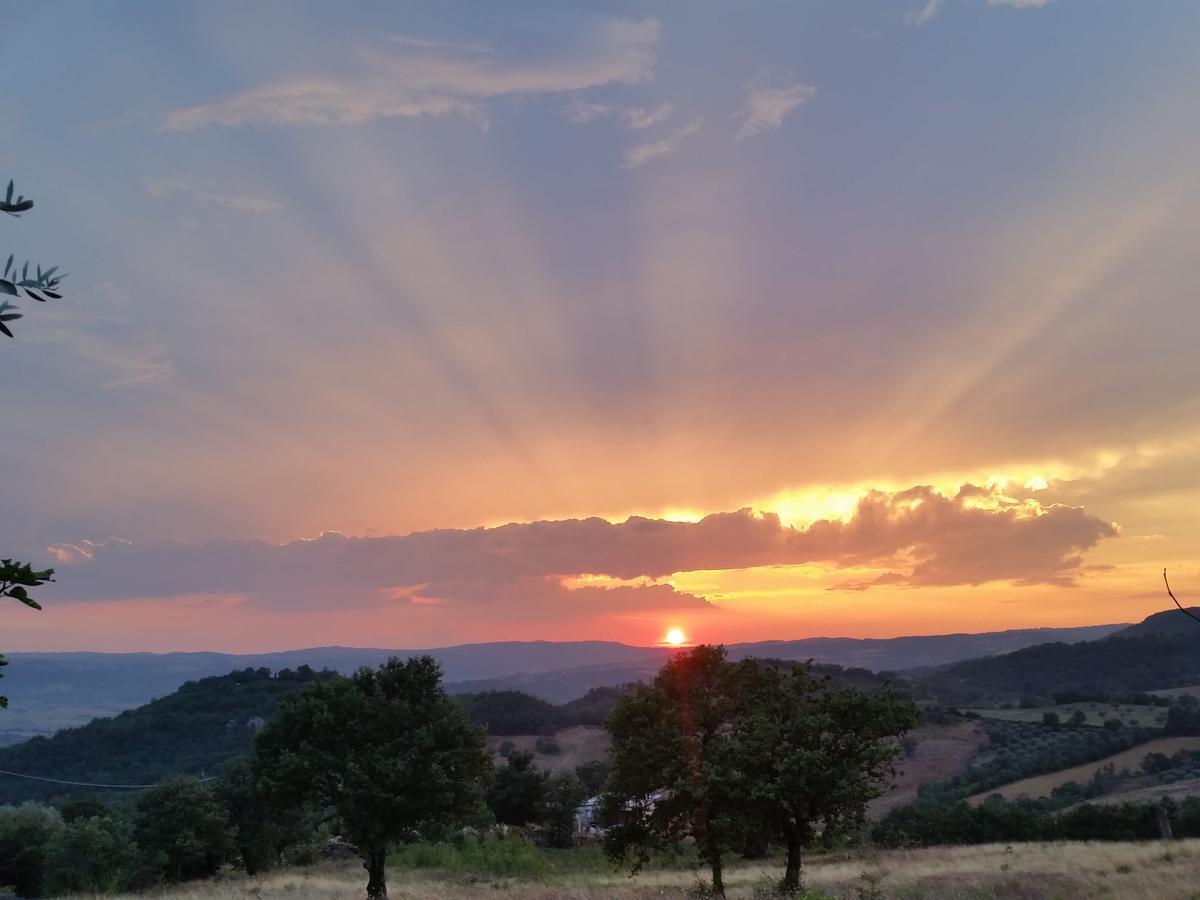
x,y
922,538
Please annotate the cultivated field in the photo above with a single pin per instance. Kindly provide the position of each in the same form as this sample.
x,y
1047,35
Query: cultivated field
x,y
941,752
1042,785
1097,713
1190,691
1067,871
1153,792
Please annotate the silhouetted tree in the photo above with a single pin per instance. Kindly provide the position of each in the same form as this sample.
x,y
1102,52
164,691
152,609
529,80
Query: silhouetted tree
x,y
564,792
673,764
809,752
387,749
518,792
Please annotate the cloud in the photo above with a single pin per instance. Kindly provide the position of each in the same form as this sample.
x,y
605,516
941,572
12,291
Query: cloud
x,y
922,537
641,154
923,14
768,105
430,79
208,195
930,9
581,112
636,117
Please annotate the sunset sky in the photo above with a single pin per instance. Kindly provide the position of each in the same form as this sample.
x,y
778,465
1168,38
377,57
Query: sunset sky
x,y
407,325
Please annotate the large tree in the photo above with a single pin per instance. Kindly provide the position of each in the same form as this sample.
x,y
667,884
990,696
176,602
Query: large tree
x,y
811,753
673,768
387,749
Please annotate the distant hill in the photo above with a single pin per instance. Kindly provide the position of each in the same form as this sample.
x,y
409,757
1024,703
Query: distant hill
x,y
207,723
193,731
49,691
1168,622
1116,667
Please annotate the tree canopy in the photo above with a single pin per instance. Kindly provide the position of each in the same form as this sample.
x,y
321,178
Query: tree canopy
x,y
387,749
719,751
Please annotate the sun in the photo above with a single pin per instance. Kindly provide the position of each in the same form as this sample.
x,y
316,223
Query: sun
x,y
675,637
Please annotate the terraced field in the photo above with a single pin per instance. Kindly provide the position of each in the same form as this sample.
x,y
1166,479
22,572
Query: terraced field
x,y
1042,785
1097,714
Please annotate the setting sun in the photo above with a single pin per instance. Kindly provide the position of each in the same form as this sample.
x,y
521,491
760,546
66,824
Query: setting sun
x,y
675,637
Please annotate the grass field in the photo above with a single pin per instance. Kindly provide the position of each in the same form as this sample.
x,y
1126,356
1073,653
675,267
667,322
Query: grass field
x,y
941,752
579,744
1067,871
1097,713
1192,690
1042,785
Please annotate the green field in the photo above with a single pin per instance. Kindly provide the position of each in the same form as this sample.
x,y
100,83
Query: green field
x,y
1097,713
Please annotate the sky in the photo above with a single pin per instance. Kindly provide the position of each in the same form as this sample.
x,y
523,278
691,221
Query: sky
x,y
409,325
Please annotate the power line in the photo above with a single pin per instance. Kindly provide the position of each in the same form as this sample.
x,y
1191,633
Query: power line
x,y
136,787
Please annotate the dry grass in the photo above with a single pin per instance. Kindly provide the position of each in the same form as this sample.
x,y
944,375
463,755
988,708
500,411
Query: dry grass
x,y
579,744
942,751
1042,785
1067,871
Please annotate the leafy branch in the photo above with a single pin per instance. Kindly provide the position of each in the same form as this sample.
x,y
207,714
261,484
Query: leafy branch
x,y
38,285
15,207
15,580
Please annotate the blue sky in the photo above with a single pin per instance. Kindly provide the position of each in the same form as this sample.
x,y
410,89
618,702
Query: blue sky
x,y
390,268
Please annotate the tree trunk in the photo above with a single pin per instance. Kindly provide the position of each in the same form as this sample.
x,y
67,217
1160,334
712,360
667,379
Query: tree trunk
x,y
374,862
714,860
791,875
1164,819
718,877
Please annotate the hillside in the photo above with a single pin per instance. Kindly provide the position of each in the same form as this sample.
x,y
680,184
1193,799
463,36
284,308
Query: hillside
x,y
49,691
1169,622
193,731
1043,785
1062,672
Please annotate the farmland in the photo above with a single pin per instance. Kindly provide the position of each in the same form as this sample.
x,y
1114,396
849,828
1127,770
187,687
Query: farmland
x,y
1042,785
1134,715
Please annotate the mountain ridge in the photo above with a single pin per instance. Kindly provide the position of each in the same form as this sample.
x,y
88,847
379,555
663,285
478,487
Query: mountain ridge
x,y
53,690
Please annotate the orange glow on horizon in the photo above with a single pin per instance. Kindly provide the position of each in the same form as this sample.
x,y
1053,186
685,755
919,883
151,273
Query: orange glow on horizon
x,y
675,637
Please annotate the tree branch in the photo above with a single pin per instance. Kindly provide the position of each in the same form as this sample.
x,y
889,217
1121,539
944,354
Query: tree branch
x,y
1177,603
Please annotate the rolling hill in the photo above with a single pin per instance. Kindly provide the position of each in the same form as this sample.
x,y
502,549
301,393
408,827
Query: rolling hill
x,y
193,731
49,691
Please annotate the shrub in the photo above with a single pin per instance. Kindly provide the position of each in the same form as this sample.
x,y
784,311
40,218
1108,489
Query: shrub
x,y
25,833
547,746
181,830
90,855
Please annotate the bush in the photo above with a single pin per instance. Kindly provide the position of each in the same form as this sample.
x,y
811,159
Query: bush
x,y
25,834
513,855
90,855
547,746
181,830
